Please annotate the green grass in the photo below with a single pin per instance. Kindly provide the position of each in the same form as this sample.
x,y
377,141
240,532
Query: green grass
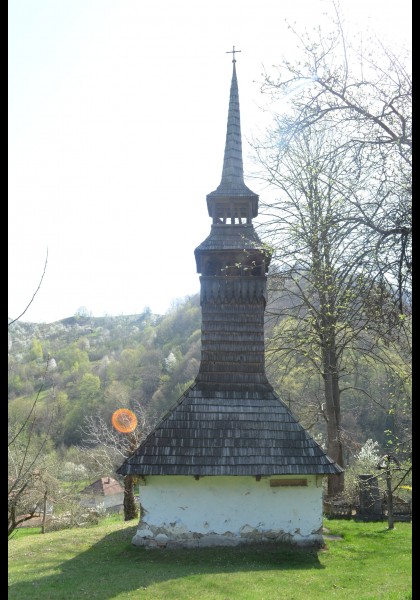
x,y
368,562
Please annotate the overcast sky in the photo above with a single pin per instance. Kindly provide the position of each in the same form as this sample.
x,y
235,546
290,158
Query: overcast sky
x,y
117,124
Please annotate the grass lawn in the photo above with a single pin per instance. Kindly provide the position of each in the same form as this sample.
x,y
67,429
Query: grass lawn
x,y
367,561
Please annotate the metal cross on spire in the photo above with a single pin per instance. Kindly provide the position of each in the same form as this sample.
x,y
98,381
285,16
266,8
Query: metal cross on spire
x,y
233,52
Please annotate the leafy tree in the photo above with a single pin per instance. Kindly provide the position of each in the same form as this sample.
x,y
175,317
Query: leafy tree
x,y
36,352
89,388
150,371
129,366
72,362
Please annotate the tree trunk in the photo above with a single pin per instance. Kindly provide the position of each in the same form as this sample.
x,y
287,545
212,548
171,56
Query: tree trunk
x,y
332,405
389,502
12,519
130,508
44,512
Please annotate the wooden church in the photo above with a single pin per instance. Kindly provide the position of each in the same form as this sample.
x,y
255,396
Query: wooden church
x,y
229,463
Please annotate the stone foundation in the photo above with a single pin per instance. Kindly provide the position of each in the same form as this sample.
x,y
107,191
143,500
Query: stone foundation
x,y
168,537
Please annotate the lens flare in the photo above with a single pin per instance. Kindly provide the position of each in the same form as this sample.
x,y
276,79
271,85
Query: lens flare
x,y
124,420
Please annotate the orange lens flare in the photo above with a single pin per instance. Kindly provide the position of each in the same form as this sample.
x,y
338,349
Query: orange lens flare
x,y
124,420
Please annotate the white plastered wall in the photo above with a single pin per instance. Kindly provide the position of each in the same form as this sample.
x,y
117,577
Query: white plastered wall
x,y
221,510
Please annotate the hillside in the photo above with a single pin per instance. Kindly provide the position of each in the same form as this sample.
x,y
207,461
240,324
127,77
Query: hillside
x,y
94,365
90,366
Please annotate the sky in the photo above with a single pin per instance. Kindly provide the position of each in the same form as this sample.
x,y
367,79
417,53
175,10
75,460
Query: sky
x,y
117,113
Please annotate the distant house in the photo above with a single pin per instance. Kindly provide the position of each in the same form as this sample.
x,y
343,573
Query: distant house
x,y
104,493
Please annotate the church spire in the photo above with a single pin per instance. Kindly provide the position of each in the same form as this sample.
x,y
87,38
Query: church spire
x,y
232,183
233,172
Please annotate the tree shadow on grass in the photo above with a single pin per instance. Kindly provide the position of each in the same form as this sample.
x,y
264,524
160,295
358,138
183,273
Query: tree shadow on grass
x,y
113,566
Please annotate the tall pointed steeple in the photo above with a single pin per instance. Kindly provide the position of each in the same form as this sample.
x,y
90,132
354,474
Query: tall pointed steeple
x,y
233,171
232,199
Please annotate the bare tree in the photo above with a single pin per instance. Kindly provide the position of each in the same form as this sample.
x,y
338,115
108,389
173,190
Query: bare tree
x,y
110,446
29,482
321,292
27,466
363,92
35,293
340,153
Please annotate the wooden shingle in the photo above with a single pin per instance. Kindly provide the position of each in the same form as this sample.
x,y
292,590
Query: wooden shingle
x,y
229,434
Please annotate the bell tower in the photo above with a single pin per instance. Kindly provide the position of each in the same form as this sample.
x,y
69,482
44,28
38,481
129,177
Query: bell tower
x,y
233,264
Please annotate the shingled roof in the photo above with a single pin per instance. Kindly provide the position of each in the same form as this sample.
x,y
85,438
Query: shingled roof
x,y
231,421
229,434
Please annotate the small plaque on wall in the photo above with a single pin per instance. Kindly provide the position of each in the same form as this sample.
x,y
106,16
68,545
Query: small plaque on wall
x,y
288,482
